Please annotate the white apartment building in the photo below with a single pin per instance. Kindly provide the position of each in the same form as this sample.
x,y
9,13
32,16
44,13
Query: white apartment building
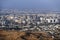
x,y
52,20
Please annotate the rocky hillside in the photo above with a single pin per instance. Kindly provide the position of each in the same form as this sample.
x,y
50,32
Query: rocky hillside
x,y
17,35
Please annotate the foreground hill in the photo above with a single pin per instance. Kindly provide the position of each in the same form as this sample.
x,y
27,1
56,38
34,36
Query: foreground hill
x,y
17,35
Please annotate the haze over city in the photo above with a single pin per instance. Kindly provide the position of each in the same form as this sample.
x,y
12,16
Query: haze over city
x,y
53,5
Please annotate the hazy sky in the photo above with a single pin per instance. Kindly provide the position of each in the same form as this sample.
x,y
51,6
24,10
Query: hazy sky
x,y
31,4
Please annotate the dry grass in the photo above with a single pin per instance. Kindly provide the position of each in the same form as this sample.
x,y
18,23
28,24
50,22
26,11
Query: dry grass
x,y
17,35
